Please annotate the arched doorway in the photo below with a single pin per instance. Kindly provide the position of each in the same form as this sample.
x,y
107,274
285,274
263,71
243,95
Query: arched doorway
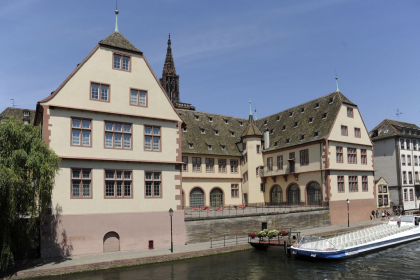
x,y
196,197
313,194
216,197
111,242
293,195
276,195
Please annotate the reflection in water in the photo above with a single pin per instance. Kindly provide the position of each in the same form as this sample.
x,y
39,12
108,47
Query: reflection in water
x,y
400,262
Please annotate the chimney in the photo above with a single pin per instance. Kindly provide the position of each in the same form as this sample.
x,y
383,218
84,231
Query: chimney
x,y
266,139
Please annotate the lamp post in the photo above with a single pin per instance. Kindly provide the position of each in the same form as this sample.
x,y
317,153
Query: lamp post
x,y
171,213
348,212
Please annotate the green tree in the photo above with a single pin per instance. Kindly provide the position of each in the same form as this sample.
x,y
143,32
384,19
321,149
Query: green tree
x,y
27,171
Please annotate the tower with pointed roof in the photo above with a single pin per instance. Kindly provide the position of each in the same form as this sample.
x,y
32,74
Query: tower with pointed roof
x,y
170,80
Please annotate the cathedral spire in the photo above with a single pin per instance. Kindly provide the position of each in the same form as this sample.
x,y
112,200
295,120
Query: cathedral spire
x,y
170,80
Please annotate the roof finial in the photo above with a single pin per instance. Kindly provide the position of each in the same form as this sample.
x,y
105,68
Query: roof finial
x,y
116,15
336,82
255,112
250,108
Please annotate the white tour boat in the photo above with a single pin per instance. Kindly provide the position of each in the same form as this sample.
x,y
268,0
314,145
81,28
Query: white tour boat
x,y
373,238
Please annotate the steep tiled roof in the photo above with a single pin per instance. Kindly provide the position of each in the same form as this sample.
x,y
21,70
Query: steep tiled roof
x,y
251,129
117,40
390,128
204,129
305,123
19,114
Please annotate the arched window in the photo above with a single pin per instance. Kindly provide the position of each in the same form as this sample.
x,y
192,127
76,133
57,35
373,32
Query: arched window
x,y
196,197
276,195
216,197
293,195
313,193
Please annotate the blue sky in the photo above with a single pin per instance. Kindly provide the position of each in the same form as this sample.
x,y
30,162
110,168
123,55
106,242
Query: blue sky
x,y
276,53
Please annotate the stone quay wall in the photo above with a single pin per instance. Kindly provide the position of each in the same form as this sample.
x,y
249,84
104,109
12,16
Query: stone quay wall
x,y
202,229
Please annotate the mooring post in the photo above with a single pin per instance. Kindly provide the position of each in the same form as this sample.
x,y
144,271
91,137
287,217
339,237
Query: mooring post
x,y
285,247
211,243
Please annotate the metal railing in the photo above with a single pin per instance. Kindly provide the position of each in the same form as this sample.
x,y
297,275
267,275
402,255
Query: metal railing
x,y
228,240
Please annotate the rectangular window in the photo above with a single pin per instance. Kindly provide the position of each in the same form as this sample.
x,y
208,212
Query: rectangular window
x,y
100,92
270,164
138,97
340,183
304,157
402,144
262,187
410,177
153,184
351,155
403,159
353,186
222,165
349,112
234,190
405,195
258,149
81,183
411,195
357,133
364,183
152,138
245,177
404,177
196,163
407,144
185,165
81,131
380,188
118,184
233,166
363,156
279,162
416,177
121,62
210,165
408,160
118,135
415,145
416,161
339,154
386,202
344,130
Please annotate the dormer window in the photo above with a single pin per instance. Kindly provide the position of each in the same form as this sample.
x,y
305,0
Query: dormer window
x,y
209,147
316,134
330,100
184,129
121,62
271,131
232,134
203,131
191,146
311,120
287,140
241,123
302,137
197,118
210,119
275,143
223,147
216,132
317,105
226,121
290,114
296,124
283,128
265,122
26,113
302,110
278,118
324,116
386,131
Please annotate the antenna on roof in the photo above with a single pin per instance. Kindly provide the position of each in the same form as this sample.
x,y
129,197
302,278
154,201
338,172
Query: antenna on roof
x,y
255,112
116,15
398,114
13,102
336,82
250,108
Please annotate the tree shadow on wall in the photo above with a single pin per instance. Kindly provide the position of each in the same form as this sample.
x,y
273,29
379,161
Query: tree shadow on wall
x,y
54,245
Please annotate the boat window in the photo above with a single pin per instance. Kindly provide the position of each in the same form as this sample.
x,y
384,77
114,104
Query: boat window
x,y
407,219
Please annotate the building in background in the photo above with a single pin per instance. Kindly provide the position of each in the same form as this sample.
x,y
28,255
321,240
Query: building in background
x,y
397,158
382,189
25,115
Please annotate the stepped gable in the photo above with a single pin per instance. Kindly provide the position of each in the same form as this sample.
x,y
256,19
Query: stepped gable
x,y
200,141
18,114
282,125
117,40
390,128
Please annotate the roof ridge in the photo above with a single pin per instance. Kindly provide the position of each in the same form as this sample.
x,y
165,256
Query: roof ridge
x,y
393,128
214,114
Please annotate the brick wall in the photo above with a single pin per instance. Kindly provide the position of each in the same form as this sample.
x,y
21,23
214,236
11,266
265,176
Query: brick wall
x,y
203,230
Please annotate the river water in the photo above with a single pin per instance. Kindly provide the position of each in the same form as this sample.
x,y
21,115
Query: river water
x,y
400,262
